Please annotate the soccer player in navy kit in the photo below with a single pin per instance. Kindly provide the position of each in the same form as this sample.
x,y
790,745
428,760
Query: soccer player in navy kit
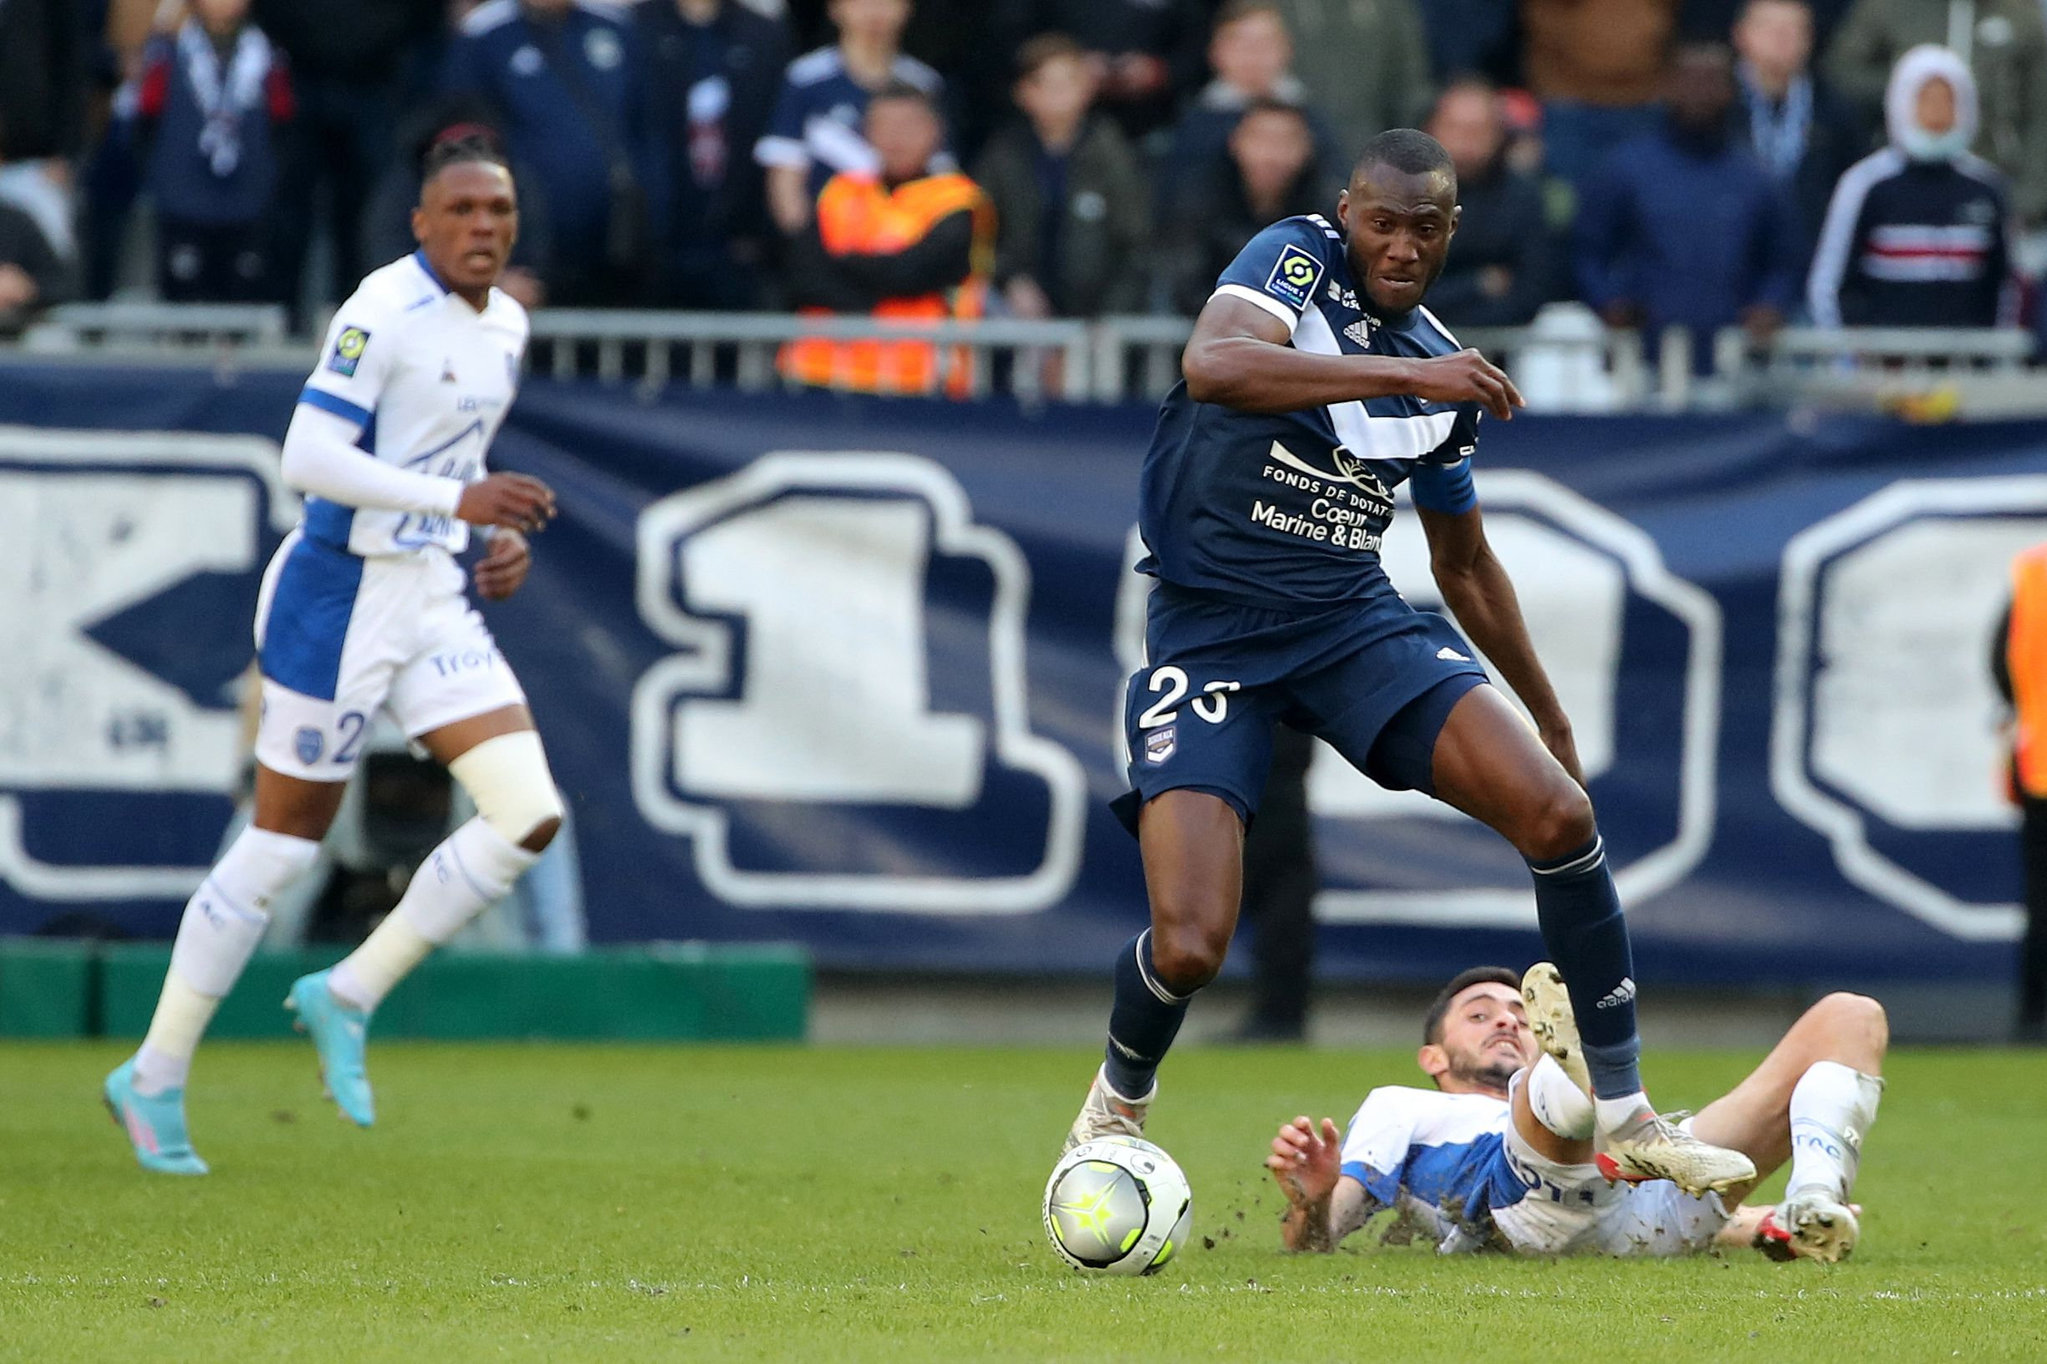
x,y
1315,383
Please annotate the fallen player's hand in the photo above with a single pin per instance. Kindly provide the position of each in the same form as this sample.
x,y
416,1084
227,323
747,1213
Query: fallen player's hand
x,y
515,501
499,573
1305,1162
1468,377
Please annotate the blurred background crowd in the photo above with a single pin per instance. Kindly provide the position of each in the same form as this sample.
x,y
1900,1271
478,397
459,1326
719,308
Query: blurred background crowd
x,y
1691,163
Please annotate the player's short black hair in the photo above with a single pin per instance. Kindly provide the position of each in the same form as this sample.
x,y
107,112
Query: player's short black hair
x,y
1432,1022
1407,150
458,144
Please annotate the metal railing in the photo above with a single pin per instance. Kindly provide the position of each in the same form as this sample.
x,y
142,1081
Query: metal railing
x,y
126,325
1564,361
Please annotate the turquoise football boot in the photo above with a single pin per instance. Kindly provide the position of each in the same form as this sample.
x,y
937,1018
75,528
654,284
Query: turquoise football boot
x,y
155,1124
338,1032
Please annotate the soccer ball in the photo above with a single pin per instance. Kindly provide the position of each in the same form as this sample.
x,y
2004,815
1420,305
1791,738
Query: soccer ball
x,y
1117,1205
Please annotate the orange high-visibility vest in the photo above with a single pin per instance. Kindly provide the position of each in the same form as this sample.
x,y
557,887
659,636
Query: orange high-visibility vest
x,y
2025,653
858,214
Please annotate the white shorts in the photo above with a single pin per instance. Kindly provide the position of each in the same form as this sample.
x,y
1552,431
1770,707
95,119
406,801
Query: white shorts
x,y
339,635
1572,1210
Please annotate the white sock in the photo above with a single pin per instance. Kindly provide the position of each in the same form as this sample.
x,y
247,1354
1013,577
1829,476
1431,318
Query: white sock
x,y
1832,1107
1626,1111
1557,1102
470,870
221,926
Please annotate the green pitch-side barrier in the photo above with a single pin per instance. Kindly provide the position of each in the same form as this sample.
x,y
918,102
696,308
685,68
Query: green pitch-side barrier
x,y
663,992
45,987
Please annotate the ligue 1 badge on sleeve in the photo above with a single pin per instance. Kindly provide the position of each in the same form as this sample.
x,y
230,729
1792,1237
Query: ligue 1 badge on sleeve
x,y
348,349
1293,276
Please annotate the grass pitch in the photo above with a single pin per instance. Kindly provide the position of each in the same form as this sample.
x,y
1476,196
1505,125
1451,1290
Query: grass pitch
x,y
767,1203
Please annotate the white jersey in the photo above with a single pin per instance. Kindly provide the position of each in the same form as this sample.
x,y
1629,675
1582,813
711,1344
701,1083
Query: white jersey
x,y
429,379
1454,1165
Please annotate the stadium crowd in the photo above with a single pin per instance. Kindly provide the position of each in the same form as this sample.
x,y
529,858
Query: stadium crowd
x,y
1699,163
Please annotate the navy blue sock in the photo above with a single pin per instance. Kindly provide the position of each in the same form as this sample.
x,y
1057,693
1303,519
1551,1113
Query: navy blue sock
x,y
1144,1021
1588,940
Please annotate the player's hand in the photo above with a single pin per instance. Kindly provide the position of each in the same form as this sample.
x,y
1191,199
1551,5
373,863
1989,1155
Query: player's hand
x,y
502,570
1306,1163
1468,377
514,501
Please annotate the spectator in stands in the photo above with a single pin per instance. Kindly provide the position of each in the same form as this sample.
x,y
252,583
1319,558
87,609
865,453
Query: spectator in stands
x,y
909,241
1470,37
716,67
214,96
564,82
387,221
1365,64
1916,235
1789,120
815,131
1715,20
44,53
2004,44
1148,54
1503,266
1071,212
1595,64
1682,227
45,76
1271,174
31,275
1252,57
348,62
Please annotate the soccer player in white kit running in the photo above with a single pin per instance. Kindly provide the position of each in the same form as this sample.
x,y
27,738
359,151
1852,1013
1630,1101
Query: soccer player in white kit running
x,y
362,608
1500,1154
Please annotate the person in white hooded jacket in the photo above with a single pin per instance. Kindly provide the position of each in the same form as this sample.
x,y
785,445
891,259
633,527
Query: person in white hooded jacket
x,y
1918,234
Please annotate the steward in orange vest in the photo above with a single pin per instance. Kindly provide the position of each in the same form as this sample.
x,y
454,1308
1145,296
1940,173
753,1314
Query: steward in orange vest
x,y
2025,664
901,244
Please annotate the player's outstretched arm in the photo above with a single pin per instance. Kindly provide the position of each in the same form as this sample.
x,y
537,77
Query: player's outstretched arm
x,y
1323,1207
1239,358
1478,592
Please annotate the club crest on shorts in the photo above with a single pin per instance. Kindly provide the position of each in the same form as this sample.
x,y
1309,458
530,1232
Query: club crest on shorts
x,y
309,744
1160,744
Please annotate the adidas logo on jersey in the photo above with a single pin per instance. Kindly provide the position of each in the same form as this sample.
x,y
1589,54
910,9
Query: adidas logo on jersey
x,y
1446,652
1360,331
1623,993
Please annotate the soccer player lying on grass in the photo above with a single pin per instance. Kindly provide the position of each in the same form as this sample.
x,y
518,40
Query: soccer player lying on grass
x,y
1500,1154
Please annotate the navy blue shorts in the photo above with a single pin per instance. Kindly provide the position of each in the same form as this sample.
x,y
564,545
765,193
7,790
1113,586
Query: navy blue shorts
x,y
1375,679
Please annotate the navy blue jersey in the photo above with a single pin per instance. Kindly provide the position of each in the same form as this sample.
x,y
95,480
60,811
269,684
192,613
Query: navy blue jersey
x,y
1290,506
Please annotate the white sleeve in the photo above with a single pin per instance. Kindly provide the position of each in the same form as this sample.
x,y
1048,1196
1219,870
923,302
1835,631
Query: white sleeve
x,y
321,458
355,358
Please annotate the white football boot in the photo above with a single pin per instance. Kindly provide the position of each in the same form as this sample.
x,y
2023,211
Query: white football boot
x,y
1810,1224
1652,1146
1554,1025
1108,1114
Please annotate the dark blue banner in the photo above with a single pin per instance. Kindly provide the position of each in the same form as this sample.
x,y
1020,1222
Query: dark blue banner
x,y
848,672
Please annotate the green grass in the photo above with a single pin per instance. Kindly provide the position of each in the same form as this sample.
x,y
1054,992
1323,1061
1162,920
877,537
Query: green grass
x,y
644,1202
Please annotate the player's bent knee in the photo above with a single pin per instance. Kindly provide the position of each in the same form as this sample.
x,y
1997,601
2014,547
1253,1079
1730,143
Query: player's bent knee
x,y
1187,957
1561,823
508,778
1856,1016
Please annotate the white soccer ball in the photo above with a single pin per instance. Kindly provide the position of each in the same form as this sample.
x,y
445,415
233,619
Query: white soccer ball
x,y
1117,1205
